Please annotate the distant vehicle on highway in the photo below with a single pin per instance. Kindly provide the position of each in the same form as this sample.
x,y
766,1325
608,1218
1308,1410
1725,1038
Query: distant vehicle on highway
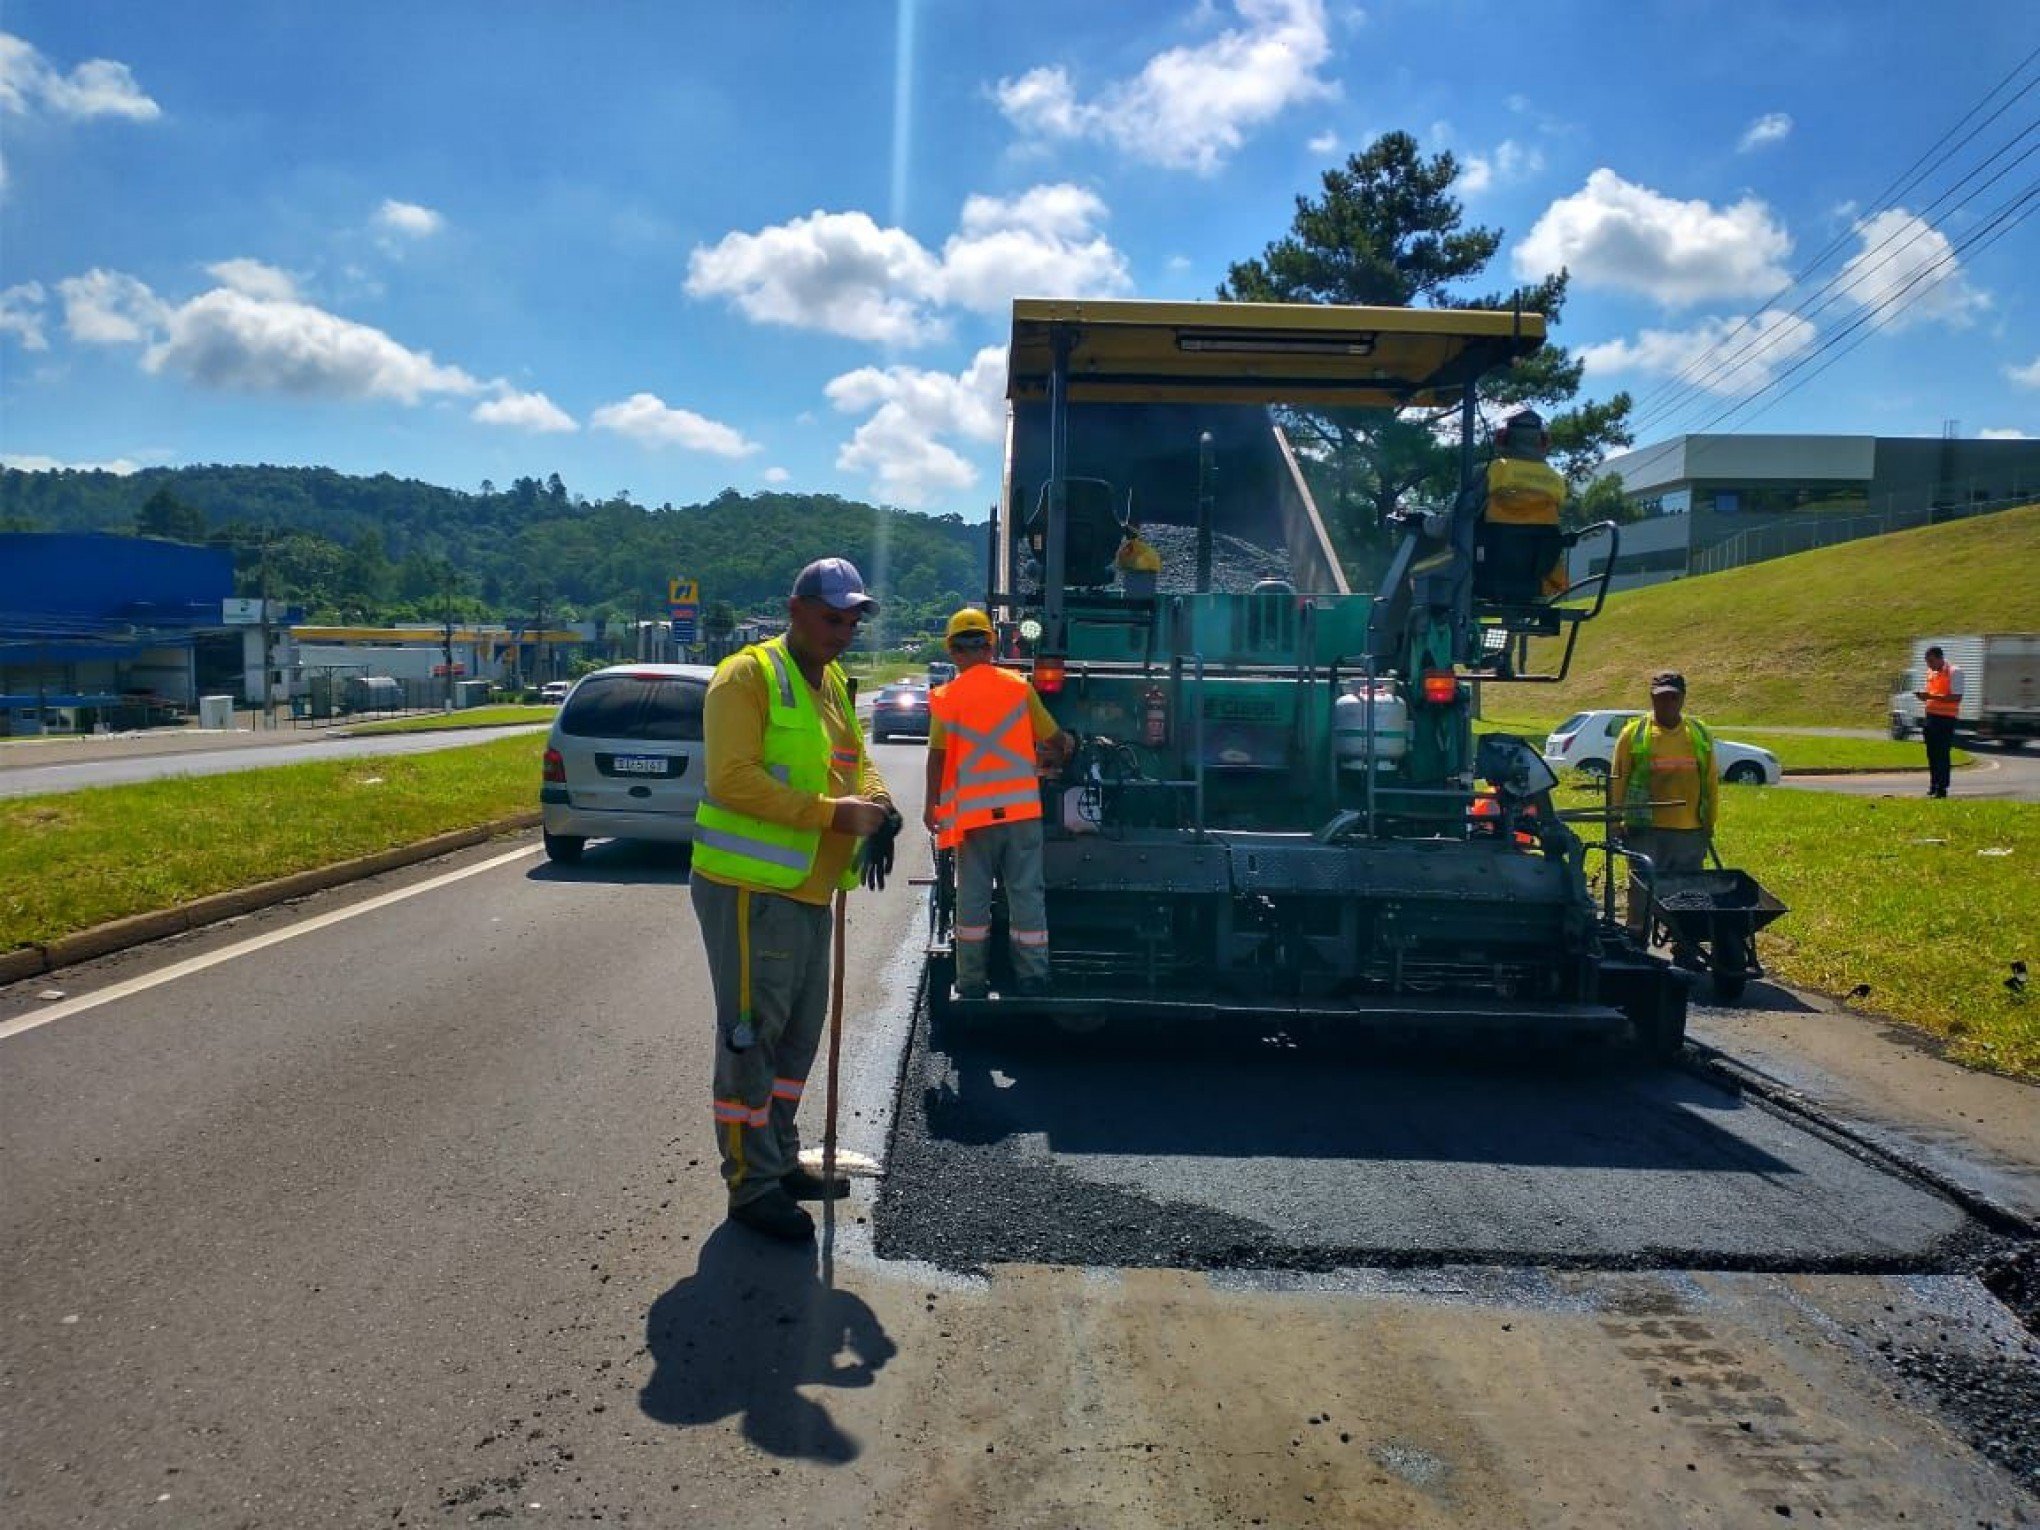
x,y
553,692
1586,742
941,672
901,708
625,758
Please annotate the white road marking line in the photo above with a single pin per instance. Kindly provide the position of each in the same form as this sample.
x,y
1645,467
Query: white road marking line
x,y
170,974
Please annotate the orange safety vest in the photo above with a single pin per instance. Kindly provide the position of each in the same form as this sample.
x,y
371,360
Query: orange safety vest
x,y
1941,702
988,773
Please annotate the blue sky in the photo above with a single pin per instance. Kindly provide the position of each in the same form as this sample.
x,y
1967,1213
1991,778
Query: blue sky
x,y
669,247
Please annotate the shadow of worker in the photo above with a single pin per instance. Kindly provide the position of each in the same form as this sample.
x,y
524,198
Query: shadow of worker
x,y
752,1325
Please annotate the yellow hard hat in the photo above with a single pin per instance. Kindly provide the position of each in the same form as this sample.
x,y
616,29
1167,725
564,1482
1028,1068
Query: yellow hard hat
x,y
969,620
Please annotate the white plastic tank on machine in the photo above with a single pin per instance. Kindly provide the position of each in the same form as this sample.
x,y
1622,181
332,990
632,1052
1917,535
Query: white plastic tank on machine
x,y
1350,714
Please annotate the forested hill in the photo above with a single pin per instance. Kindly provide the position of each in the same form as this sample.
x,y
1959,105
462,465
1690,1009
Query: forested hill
x,y
379,548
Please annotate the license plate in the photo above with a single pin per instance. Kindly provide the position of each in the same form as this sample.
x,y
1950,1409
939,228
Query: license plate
x,y
640,764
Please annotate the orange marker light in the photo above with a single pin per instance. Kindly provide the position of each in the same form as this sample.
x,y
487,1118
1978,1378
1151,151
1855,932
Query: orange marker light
x,y
1048,676
1441,686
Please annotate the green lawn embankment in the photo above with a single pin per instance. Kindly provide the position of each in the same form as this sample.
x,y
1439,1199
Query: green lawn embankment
x,y
72,860
1929,903
1817,638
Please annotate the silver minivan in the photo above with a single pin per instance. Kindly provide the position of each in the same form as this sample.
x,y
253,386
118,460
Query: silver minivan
x,y
625,759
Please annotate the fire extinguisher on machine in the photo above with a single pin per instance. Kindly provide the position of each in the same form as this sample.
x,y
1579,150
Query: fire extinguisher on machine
x,y
1154,717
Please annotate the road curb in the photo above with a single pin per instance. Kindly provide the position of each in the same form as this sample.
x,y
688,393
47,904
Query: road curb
x,y
138,929
1718,1066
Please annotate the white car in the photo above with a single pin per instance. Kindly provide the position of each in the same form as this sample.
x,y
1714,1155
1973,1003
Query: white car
x,y
553,692
1586,742
625,758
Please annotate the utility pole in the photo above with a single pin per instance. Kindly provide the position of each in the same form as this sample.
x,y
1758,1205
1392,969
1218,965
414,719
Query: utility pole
x,y
447,582
268,699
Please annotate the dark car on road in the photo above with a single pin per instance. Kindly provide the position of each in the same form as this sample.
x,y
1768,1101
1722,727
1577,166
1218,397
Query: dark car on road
x,y
899,709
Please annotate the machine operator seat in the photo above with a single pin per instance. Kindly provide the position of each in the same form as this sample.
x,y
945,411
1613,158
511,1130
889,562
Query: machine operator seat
x,y
1093,530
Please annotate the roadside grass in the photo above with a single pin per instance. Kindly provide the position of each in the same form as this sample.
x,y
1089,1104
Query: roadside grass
x,y
1901,894
72,860
1814,638
1798,753
441,722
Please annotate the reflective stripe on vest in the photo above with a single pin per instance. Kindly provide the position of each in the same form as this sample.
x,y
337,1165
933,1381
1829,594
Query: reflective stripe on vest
x,y
796,752
1636,809
1523,493
1942,700
988,768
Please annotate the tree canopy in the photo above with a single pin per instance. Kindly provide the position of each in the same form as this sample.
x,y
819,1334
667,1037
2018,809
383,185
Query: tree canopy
x,y
385,549
1387,231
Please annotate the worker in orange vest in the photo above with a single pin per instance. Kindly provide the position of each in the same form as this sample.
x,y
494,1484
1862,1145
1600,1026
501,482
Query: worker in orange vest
x,y
1943,701
988,732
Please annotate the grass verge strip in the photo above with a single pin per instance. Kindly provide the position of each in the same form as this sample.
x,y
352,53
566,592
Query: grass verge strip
x,y
442,722
73,860
1927,904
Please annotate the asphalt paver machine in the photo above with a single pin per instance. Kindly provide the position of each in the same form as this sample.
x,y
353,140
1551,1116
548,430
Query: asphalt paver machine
x,y
1277,809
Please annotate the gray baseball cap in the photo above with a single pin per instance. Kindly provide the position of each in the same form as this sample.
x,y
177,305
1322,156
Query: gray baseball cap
x,y
834,582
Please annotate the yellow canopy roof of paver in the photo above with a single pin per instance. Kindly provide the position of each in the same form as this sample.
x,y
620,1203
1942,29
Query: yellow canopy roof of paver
x,y
1262,353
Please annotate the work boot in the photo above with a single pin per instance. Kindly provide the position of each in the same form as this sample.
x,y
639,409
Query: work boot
x,y
803,1184
775,1215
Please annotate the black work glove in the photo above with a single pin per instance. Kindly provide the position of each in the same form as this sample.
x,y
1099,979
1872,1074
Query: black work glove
x,y
875,851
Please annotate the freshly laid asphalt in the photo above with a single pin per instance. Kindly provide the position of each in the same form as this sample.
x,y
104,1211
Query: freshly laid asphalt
x,y
1331,1154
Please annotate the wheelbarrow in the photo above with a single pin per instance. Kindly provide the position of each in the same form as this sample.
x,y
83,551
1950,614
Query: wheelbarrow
x,y
1715,915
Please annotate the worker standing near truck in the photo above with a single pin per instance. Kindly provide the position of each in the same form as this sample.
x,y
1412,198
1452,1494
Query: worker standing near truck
x,y
1666,794
988,732
1942,700
790,792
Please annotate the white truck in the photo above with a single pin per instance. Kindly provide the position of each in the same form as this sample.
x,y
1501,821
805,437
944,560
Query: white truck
x,y
2000,686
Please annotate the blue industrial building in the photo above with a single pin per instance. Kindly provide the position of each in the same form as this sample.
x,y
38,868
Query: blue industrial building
x,y
117,631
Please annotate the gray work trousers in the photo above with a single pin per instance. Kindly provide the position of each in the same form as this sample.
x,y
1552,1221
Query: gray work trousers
x,y
1009,853
1670,850
768,961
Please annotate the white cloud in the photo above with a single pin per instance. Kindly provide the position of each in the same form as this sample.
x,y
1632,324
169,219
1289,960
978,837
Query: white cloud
x,y
110,308
775,475
1189,108
1772,127
1722,356
648,420
842,273
229,339
1907,273
523,411
1510,161
2027,376
838,272
256,279
21,315
33,464
1988,434
1042,243
408,219
99,87
1614,234
1324,143
898,448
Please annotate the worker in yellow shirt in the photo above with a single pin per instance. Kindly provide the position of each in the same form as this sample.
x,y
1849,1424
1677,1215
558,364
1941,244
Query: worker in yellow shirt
x,y
1138,563
790,794
1665,791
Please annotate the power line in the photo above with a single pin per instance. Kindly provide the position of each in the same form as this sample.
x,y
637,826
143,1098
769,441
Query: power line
x,y
1842,283
1902,184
